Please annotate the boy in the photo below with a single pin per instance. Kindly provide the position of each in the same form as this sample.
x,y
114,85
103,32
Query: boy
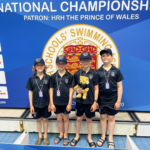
x,y
61,93
110,93
86,102
38,86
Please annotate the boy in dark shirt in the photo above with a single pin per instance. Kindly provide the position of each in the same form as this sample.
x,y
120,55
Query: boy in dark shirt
x,y
61,93
110,93
86,81
38,86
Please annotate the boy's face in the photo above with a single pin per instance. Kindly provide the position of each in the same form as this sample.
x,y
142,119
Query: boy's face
x,y
61,66
106,58
39,67
85,63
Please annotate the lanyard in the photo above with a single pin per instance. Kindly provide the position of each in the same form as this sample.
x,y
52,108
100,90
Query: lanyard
x,y
38,85
58,85
85,72
106,77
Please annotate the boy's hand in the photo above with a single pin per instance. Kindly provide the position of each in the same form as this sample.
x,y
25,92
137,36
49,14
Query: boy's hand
x,y
97,106
79,90
49,108
53,108
69,107
117,106
93,107
32,110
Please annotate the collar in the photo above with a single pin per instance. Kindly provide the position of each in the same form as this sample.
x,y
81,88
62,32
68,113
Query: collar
x,y
112,68
35,76
66,73
90,71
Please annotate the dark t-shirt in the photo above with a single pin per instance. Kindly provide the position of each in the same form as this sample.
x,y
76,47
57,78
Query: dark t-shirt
x,y
67,82
39,102
114,76
93,81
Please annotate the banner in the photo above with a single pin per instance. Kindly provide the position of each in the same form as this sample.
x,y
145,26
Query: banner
x,y
35,29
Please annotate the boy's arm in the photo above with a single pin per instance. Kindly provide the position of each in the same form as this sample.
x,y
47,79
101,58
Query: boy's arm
x,y
70,99
51,90
96,92
71,85
70,96
51,100
31,101
75,82
49,107
75,87
51,96
119,91
30,98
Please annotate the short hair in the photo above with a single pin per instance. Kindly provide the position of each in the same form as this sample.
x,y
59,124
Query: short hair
x,y
35,71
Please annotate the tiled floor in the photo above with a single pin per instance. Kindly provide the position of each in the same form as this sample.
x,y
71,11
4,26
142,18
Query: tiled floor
x,y
120,141
141,142
9,137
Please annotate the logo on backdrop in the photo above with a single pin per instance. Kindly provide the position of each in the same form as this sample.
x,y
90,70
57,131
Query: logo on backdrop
x,y
3,92
2,77
1,62
73,40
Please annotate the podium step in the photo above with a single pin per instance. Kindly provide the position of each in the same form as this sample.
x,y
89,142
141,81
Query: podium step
x,y
125,124
21,120
11,119
143,123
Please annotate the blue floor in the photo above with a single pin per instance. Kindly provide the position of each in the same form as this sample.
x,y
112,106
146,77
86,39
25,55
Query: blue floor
x,y
9,137
120,141
141,142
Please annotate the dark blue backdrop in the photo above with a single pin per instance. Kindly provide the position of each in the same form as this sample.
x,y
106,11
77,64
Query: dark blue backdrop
x,y
23,41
